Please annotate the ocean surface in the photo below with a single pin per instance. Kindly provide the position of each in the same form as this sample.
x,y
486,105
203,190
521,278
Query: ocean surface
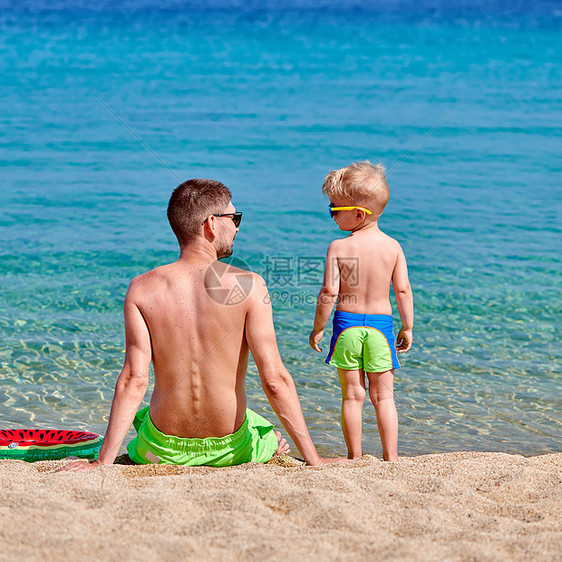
x,y
104,111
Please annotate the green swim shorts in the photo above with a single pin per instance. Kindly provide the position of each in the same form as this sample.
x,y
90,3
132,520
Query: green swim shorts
x,y
254,441
363,341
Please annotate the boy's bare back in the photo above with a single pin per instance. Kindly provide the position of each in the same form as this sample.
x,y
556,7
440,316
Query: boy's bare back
x,y
364,264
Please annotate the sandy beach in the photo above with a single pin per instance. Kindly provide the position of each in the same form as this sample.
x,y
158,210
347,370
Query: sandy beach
x,y
454,506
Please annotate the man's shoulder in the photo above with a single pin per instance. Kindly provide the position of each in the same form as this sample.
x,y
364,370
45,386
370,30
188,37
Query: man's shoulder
x,y
141,283
225,268
237,285
152,275
227,274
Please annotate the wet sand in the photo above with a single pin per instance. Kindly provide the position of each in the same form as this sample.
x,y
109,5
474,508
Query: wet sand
x,y
454,506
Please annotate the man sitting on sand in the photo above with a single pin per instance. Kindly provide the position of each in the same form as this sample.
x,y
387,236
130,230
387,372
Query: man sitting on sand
x,y
196,319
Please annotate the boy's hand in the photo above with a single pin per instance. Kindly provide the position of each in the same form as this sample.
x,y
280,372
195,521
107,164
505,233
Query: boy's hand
x,y
314,340
404,340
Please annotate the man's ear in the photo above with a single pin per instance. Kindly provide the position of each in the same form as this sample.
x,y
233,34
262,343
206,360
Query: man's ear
x,y
210,228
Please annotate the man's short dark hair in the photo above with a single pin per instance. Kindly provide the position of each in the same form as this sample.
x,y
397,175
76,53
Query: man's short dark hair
x,y
192,202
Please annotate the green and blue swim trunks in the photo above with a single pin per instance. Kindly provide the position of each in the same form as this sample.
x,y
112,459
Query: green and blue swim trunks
x,y
363,341
254,441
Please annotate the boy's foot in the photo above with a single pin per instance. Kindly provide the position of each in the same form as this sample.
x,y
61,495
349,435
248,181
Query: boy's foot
x,y
283,448
392,458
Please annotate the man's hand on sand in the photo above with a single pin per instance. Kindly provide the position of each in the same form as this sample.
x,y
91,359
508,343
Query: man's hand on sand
x,y
404,340
283,447
79,466
314,340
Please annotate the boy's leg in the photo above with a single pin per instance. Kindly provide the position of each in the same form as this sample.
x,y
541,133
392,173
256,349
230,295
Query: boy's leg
x,y
353,395
382,396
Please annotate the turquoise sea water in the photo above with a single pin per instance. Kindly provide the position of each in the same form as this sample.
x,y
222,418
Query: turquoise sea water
x,y
104,112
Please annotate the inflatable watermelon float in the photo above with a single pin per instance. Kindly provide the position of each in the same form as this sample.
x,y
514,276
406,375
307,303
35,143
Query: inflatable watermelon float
x,y
48,444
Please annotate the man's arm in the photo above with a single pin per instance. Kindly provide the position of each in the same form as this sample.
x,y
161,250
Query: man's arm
x,y
131,385
404,301
277,383
326,298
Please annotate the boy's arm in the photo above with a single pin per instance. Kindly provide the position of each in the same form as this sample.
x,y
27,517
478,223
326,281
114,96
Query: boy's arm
x,y
130,388
404,301
326,298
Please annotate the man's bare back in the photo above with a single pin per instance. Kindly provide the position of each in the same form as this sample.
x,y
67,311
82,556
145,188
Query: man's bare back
x,y
194,396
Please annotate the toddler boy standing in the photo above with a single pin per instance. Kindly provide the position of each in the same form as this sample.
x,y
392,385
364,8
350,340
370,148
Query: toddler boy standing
x,y
357,277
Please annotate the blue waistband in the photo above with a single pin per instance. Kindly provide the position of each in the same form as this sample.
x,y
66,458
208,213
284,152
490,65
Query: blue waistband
x,y
351,319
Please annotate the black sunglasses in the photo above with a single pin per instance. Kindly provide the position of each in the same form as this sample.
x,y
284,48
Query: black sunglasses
x,y
236,217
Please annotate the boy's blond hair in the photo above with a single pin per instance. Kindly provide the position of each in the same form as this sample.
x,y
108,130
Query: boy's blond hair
x,y
361,183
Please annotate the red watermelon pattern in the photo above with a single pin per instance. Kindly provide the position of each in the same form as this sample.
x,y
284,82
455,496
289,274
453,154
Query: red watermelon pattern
x,y
44,437
48,444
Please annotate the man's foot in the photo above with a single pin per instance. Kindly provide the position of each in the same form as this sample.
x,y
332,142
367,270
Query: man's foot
x,y
283,448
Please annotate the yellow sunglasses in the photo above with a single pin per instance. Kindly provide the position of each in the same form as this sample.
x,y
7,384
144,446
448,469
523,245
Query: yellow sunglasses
x,y
336,209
